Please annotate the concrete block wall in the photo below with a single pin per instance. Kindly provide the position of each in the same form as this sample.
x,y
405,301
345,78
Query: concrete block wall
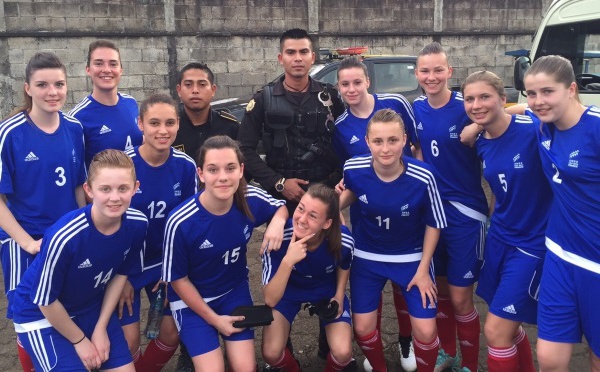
x,y
238,39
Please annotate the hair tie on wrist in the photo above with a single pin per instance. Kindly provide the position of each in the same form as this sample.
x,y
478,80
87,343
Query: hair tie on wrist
x,y
75,343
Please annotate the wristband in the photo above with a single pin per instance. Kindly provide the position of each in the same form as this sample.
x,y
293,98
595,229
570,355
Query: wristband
x,y
75,343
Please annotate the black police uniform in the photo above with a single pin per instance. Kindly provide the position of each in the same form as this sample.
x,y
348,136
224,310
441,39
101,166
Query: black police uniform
x,y
296,135
190,137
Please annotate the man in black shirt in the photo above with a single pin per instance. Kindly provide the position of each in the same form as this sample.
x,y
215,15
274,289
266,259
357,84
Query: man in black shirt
x,y
197,120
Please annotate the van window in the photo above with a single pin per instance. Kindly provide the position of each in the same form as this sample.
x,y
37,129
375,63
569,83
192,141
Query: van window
x,y
580,43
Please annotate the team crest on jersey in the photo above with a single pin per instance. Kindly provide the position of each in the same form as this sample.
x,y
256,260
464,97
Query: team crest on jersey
x,y
74,157
546,144
573,163
31,157
483,164
517,164
353,140
105,129
329,269
246,232
176,189
405,211
452,131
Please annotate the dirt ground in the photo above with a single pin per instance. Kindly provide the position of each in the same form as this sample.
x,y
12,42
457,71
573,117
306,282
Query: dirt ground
x,y
304,333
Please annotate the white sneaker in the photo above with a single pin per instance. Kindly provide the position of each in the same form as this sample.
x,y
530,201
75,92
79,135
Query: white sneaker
x,y
443,361
367,366
407,356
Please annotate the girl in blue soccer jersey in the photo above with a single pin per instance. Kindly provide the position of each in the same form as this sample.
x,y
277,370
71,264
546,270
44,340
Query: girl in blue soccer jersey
x,y
349,141
312,266
64,306
204,256
440,116
41,169
109,118
568,143
400,214
167,178
515,250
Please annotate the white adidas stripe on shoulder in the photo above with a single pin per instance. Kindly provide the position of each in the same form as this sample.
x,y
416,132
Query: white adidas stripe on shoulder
x,y
55,249
523,119
458,96
420,98
134,214
72,119
358,162
262,194
173,222
5,128
342,117
127,96
183,155
435,198
80,106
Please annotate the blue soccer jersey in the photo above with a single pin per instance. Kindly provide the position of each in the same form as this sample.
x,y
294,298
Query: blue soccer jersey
x,y
349,136
211,250
438,132
392,215
571,160
75,264
161,189
513,169
40,171
108,127
315,277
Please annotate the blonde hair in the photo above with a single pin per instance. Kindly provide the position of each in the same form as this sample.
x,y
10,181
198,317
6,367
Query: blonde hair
x,y
110,159
487,77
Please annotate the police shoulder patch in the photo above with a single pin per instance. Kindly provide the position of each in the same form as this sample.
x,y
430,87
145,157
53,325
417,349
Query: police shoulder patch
x,y
250,105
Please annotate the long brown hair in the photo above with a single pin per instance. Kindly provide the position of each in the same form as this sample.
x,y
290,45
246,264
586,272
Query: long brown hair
x,y
224,142
331,200
39,61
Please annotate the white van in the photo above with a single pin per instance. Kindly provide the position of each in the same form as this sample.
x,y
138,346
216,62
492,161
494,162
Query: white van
x,y
570,28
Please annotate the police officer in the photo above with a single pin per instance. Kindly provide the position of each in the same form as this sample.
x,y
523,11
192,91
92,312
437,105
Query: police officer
x,y
294,119
197,120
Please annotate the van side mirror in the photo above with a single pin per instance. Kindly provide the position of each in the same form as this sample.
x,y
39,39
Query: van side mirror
x,y
521,66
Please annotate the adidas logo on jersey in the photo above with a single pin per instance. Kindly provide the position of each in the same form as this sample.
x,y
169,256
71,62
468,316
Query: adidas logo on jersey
x,y
363,198
420,126
105,129
354,139
31,157
468,275
546,144
345,314
510,309
85,264
206,244
432,306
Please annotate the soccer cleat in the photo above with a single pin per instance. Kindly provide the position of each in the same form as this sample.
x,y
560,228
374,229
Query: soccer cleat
x,y
443,361
407,354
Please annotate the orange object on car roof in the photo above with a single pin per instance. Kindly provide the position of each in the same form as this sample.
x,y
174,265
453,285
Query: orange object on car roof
x,y
352,50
